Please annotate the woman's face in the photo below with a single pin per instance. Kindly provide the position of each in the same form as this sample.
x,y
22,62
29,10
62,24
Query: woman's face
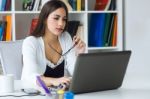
x,y
56,21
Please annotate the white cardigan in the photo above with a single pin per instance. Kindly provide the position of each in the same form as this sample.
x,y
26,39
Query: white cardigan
x,y
34,60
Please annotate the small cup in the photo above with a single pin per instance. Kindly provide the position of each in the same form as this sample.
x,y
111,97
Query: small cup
x,y
7,83
60,94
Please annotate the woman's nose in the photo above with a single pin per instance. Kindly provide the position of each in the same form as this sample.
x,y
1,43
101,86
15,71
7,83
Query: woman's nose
x,y
61,23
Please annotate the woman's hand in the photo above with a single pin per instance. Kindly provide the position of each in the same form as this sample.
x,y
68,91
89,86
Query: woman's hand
x,y
80,45
61,80
65,81
61,83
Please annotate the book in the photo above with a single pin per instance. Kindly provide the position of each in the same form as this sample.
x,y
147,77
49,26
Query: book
x,y
0,5
96,30
109,40
82,4
1,32
101,4
73,27
8,19
33,24
78,5
107,28
8,5
3,25
3,3
114,37
108,5
112,5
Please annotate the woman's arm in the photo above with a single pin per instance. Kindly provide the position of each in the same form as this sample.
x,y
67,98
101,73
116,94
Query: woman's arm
x,y
31,68
72,55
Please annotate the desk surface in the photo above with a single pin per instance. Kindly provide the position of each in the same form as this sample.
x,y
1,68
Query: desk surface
x,y
132,88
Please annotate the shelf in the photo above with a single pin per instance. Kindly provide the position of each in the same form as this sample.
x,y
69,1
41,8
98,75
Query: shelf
x,y
26,12
101,48
21,21
102,11
6,12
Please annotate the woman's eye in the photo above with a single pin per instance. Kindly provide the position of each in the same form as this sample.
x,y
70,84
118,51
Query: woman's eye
x,y
56,18
64,19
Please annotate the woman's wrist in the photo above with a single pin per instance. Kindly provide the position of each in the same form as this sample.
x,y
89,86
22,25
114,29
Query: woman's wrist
x,y
47,80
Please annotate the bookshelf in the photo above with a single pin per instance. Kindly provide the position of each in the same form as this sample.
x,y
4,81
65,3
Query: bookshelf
x,y
21,22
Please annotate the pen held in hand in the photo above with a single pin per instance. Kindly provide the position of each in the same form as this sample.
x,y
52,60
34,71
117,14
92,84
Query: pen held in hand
x,y
70,49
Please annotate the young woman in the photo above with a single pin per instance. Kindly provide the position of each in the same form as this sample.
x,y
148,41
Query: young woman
x,y
50,51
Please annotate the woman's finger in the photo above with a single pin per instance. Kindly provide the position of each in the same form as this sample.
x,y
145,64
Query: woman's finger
x,y
78,44
76,39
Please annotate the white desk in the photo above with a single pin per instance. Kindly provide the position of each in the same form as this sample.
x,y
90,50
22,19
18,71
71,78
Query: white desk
x,y
132,88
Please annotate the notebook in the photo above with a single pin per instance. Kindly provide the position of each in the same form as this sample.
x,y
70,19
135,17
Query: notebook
x,y
99,71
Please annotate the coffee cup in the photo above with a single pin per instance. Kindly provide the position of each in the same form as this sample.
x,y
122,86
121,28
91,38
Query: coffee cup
x,y
7,83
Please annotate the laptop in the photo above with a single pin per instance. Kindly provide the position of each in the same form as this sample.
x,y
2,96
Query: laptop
x,y
99,71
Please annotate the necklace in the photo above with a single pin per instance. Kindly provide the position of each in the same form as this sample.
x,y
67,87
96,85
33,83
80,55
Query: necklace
x,y
54,49
60,53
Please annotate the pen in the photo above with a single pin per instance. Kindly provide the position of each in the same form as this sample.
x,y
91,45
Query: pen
x,y
41,83
70,49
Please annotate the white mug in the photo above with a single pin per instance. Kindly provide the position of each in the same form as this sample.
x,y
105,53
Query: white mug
x,y
7,83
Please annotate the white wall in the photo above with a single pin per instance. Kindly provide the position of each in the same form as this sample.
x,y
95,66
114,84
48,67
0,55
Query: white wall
x,y
137,19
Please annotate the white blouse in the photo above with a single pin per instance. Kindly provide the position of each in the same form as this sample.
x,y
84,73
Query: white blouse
x,y
35,61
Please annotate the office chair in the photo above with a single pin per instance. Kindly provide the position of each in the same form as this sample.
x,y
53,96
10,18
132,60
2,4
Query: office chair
x,y
11,57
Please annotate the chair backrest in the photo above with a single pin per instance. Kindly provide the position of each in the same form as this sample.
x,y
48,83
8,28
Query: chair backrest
x,y
11,57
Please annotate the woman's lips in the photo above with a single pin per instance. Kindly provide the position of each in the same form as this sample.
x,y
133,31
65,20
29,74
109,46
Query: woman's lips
x,y
59,29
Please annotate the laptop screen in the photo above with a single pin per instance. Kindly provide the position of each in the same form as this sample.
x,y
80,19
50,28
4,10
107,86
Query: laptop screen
x,y
99,71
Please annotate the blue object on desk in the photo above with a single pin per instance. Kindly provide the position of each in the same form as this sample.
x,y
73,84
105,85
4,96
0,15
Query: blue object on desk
x,y
41,83
68,95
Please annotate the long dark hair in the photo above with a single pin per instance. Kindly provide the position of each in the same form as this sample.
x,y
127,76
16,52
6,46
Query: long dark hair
x,y
48,8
